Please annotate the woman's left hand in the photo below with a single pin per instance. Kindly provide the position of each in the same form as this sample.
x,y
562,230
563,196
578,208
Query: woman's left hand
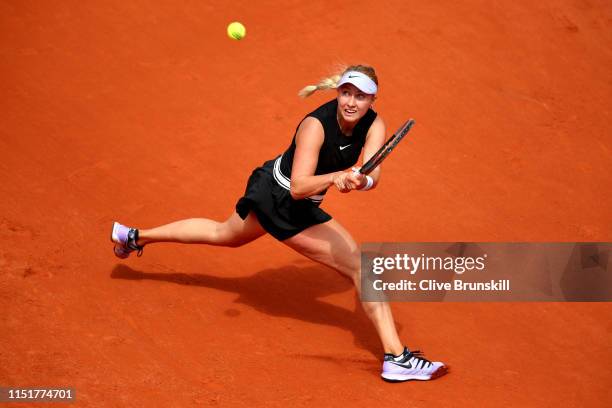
x,y
349,180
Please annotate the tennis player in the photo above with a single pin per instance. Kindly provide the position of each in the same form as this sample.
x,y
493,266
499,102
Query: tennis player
x,y
283,198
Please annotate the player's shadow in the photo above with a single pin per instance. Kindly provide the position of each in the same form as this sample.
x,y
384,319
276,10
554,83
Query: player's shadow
x,y
289,291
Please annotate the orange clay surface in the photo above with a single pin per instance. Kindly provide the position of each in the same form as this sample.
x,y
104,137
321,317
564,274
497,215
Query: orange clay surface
x,y
145,112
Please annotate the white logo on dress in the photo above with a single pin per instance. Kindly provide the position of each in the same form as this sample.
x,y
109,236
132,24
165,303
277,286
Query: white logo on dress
x,y
344,147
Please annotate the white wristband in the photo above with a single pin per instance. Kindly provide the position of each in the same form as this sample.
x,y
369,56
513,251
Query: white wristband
x,y
369,184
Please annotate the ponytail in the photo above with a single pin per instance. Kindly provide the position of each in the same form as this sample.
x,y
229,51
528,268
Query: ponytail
x,y
326,83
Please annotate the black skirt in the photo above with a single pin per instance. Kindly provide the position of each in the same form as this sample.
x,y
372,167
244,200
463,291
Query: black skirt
x,y
278,213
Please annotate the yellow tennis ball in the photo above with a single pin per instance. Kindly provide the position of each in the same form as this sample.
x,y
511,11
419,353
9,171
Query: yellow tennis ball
x,y
236,31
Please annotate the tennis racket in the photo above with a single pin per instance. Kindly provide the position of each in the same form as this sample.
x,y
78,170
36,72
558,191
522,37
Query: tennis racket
x,y
386,149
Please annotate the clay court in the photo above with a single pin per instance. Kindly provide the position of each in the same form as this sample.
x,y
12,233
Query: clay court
x,y
146,112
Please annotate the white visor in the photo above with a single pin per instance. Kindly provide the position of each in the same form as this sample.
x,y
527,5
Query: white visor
x,y
360,80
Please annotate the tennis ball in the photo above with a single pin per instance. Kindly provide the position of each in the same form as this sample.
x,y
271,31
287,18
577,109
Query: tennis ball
x,y
236,31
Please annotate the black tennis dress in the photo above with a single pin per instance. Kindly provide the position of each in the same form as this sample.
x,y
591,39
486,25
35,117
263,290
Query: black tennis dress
x,y
267,191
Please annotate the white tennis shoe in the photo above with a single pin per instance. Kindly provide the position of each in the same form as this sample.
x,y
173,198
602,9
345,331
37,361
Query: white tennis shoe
x,y
411,365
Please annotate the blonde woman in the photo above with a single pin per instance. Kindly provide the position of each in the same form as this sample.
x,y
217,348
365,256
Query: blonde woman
x,y
283,196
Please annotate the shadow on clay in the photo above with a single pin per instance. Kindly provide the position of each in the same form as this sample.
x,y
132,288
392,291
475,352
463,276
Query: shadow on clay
x,y
290,291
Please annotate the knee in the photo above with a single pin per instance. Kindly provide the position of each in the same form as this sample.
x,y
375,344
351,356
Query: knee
x,y
354,266
353,272
224,235
227,236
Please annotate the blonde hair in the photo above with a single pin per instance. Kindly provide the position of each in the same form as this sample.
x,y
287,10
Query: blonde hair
x,y
331,82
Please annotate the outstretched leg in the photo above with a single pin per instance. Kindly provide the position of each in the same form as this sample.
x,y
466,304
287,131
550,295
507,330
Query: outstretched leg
x,y
332,245
232,232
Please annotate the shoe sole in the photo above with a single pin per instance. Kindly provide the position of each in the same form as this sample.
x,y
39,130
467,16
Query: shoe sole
x,y
113,236
393,378
115,239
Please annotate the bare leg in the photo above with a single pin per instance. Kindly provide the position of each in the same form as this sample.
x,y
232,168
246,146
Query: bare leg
x,y
232,232
332,245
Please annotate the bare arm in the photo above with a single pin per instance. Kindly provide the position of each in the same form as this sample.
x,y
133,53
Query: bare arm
x,y
375,138
308,141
